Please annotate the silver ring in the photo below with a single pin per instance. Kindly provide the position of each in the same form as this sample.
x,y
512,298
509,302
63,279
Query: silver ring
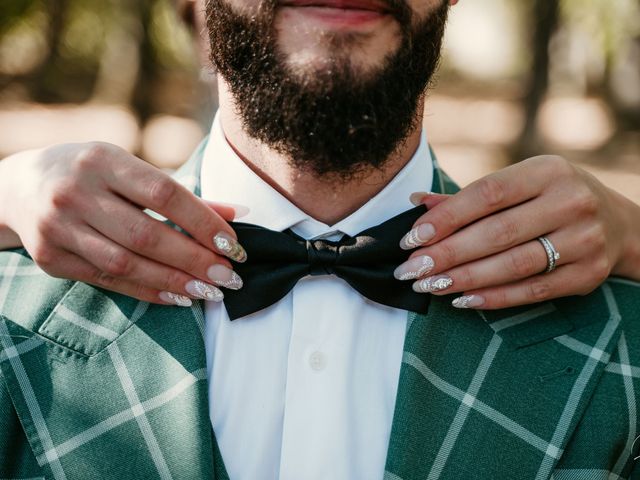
x,y
552,254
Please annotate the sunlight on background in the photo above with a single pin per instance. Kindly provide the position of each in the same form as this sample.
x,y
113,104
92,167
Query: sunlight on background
x,y
126,72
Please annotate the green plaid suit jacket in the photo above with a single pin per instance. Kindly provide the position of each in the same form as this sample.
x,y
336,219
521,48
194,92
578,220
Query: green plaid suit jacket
x,y
95,385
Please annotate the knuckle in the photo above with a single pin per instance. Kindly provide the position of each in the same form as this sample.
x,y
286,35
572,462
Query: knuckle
x,y
503,232
173,282
91,157
560,165
464,278
601,269
447,254
540,290
522,264
47,228
194,261
207,224
63,196
585,201
492,191
162,192
119,264
597,238
142,235
447,217
142,293
44,256
103,279
497,299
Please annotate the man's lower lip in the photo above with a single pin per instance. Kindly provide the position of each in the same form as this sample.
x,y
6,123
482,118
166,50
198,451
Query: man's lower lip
x,y
340,16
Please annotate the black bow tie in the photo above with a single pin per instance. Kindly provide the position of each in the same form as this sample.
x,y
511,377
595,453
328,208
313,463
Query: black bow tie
x,y
277,260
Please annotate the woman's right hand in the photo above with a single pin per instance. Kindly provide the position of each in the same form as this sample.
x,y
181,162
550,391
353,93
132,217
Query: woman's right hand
x,y
78,210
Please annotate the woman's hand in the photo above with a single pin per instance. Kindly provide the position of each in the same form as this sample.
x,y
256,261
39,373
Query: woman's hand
x,y
77,208
482,241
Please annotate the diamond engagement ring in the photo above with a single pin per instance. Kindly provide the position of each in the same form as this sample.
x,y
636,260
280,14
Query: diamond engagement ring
x,y
552,254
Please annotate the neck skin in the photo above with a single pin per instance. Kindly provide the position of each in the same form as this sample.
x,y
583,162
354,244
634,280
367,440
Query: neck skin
x,y
323,199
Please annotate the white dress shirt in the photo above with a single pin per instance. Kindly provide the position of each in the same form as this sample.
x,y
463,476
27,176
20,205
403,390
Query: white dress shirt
x,y
306,388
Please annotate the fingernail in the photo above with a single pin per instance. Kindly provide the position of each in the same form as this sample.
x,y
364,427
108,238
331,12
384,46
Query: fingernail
x,y
204,291
468,301
417,197
240,210
174,298
416,237
433,284
414,268
224,277
229,247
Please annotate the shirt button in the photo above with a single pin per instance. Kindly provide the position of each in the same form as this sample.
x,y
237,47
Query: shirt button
x,y
317,361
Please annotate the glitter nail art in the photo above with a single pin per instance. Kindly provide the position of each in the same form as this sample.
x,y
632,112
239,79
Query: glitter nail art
x,y
468,301
235,283
411,240
425,265
223,276
230,247
433,284
417,236
179,300
204,291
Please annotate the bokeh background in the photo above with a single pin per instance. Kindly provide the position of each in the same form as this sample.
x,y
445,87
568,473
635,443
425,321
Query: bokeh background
x,y
519,78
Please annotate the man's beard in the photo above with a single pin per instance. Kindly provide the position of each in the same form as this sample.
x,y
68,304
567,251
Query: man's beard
x,y
336,121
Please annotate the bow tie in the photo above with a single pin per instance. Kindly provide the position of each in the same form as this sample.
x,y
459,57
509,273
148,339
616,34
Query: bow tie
x,y
277,260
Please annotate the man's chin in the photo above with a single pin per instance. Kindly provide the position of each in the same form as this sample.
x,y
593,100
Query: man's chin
x,y
318,53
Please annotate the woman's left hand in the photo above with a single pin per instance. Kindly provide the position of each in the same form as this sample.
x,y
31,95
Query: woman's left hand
x,y
483,241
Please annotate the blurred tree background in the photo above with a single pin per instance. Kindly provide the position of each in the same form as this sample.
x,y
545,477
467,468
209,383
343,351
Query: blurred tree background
x,y
518,79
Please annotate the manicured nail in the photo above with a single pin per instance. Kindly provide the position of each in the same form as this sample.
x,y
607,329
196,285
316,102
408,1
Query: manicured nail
x,y
174,298
468,301
417,197
414,268
224,277
240,210
204,291
416,237
229,247
433,284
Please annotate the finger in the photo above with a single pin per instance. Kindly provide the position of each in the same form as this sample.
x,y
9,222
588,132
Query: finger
x,y
495,192
428,199
74,267
116,261
539,288
506,267
494,234
151,188
139,233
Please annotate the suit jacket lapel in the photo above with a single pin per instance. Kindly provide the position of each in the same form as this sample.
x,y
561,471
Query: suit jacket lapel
x,y
497,394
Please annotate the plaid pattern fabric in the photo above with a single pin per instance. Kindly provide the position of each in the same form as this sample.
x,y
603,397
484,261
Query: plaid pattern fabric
x,y
97,385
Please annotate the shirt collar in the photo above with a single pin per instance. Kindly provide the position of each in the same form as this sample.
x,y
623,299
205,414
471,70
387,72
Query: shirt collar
x,y
226,178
